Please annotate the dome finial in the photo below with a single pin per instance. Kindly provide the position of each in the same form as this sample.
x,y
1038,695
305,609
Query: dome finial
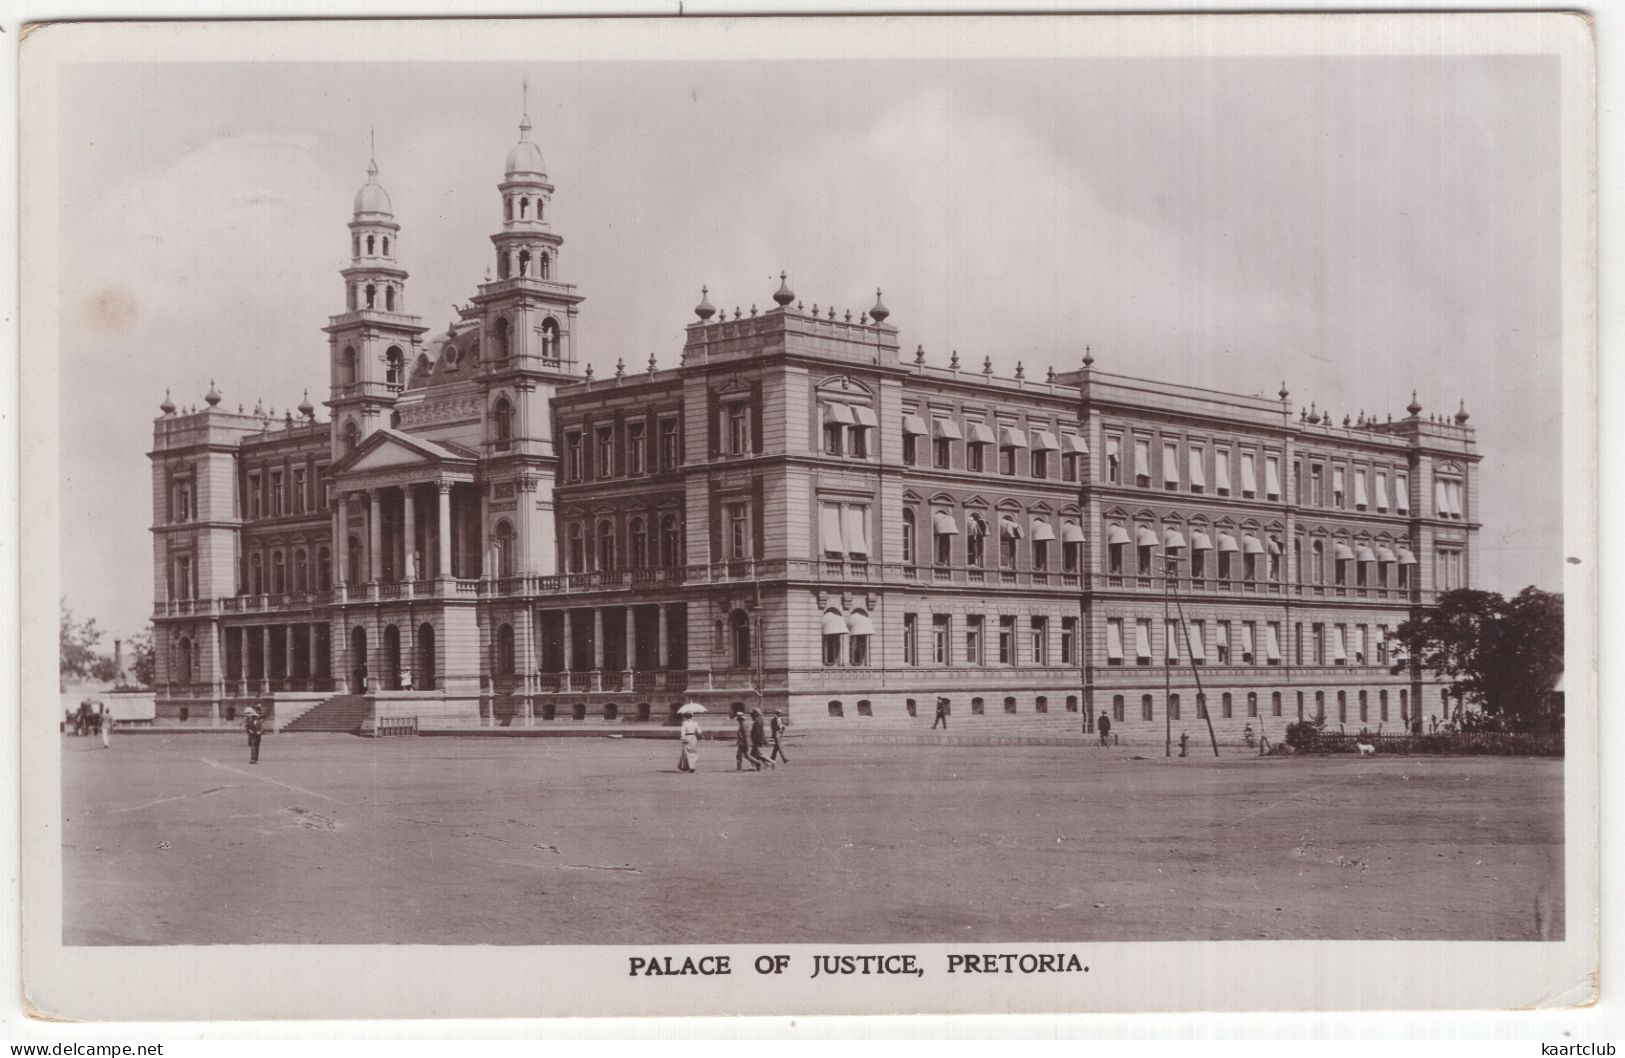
x,y
1284,393
1415,406
524,105
168,406
307,409
705,310
1088,357
372,155
880,311
1461,413
211,398
784,295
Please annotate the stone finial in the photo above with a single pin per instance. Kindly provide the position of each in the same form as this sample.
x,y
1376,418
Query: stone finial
x,y
880,311
1314,414
1461,414
589,372
620,367
784,295
800,306
848,315
212,398
652,364
738,313
987,366
1303,414
259,408
1088,357
1049,376
953,360
919,355
168,406
240,408
1415,406
832,312
1346,420
705,310
753,308
306,408
1283,393
1021,370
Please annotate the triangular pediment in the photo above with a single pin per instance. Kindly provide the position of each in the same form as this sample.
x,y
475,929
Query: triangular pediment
x,y
388,449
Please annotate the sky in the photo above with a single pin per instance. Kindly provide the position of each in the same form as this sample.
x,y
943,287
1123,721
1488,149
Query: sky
x,y
1355,227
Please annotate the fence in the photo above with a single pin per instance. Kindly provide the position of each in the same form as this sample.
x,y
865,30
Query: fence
x,y
397,725
1439,743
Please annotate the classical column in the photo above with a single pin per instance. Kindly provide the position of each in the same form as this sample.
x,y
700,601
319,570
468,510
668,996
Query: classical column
x,y
443,540
569,648
375,556
341,543
409,550
218,683
665,654
287,651
598,638
265,659
242,659
525,490
631,641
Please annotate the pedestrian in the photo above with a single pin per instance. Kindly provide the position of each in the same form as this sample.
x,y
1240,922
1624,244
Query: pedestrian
x,y
107,727
742,744
689,758
776,730
942,715
255,728
758,740
1104,726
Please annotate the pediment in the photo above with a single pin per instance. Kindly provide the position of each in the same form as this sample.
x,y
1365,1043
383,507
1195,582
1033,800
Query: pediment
x,y
391,449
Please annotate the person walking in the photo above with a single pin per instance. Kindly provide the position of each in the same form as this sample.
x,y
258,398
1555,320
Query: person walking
x,y
255,726
942,715
107,727
689,758
758,740
1104,726
742,745
776,731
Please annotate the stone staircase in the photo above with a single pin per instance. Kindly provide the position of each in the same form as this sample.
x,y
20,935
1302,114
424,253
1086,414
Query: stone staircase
x,y
343,713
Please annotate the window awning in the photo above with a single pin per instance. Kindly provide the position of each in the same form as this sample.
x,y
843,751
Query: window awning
x,y
1071,533
1144,537
1116,534
1114,639
1251,545
914,426
1247,645
1339,652
1402,494
834,412
1272,478
946,429
1273,545
1406,558
1044,441
1227,542
1010,438
1142,639
1382,492
942,523
1195,632
857,536
1360,498
1364,554
1172,538
981,434
1198,473
1008,529
1042,530
865,415
1385,555
858,623
834,624
1249,474
1200,541
1221,469
1272,642
1342,552
975,526
829,527
1075,444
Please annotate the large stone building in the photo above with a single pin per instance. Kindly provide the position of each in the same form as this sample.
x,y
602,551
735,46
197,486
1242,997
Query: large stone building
x,y
796,517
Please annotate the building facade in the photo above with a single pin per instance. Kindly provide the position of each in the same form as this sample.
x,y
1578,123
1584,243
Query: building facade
x,y
797,517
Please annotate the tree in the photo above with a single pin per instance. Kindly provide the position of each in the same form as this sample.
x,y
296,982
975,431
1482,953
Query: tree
x,y
79,641
1501,654
142,664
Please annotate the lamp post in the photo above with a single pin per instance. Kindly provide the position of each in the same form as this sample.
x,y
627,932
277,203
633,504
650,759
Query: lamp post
x,y
1170,570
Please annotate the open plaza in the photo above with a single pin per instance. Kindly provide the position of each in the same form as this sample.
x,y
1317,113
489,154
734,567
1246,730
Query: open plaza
x,y
176,839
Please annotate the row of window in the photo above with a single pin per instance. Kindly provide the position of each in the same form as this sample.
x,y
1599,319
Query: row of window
x,y
282,491
1043,543
978,706
973,628
289,572
600,551
1238,643
1227,706
1040,453
633,443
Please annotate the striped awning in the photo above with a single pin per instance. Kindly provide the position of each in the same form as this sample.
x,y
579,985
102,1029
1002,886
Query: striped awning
x,y
1076,444
836,412
1364,554
834,624
1116,534
1200,541
1406,558
865,415
1342,552
946,429
1071,533
858,623
1144,537
914,426
942,523
1227,543
1008,529
1042,530
1011,438
981,434
1251,545
1173,538
1044,441
1386,555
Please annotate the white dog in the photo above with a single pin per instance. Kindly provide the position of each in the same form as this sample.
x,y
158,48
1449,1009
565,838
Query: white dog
x,y
1365,748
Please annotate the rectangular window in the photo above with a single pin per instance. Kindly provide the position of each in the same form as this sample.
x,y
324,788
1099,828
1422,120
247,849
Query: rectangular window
x,y
1361,500
1272,477
1007,641
573,456
1069,640
1221,470
942,453
1114,460
1382,491
1040,463
1114,641
1142,641
1197,470
1272,642
183,577
1142,462
1359,645
834,438
1340,654
277,507
829,529
973,639
1317,484
738,429
604,453
1040,640
1297,643
299,499
911,450
1319,633
636,449
855,525
911,637
1249,475
1170,635
1338,491
1170,466
1249,647
976,457
739,530
1007,460
1402,493
940,630
1297,482
1221,643
1196,634
670,453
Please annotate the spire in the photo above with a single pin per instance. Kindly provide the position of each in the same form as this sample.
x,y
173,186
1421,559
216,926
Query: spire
x,y
372,155
524,105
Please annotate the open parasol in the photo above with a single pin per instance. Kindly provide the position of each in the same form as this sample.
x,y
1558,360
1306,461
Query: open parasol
x,y
691,708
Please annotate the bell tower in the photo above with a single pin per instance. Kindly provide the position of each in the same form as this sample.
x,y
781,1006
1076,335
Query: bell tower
x,y
373,343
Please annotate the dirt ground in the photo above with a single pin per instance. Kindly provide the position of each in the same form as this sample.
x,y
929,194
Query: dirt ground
x,y
178,840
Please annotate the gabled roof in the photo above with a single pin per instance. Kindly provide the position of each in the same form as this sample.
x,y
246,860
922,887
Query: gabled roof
x,y
386,449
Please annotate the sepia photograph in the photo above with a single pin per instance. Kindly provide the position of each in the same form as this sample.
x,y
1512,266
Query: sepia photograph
x,y
931,497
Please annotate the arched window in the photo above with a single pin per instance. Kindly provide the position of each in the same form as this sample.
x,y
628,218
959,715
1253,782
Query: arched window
x,y
395,364
324,569
499,339
606,545
671,542
502,264
524,211
833,628
1252,703
544,266
504,659
1118,711
370,245
386,246
739,635
301,571
638,534
1320,705
1146,707
1275,703
389,298
349,297
524,255
504,546
502,423
279,575
1009,704
352,436
578,549
1342,707
256,575
507,209
1364,715
1317,563
908,537
836,709
372,296
347,366
975,541
550,339
356,573
355,245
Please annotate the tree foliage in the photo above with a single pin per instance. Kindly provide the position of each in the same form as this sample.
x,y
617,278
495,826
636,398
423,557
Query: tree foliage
x,y
79,639
142,665
1503,655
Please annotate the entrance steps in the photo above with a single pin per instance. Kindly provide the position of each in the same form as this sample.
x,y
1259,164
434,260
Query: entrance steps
x,y
344,713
